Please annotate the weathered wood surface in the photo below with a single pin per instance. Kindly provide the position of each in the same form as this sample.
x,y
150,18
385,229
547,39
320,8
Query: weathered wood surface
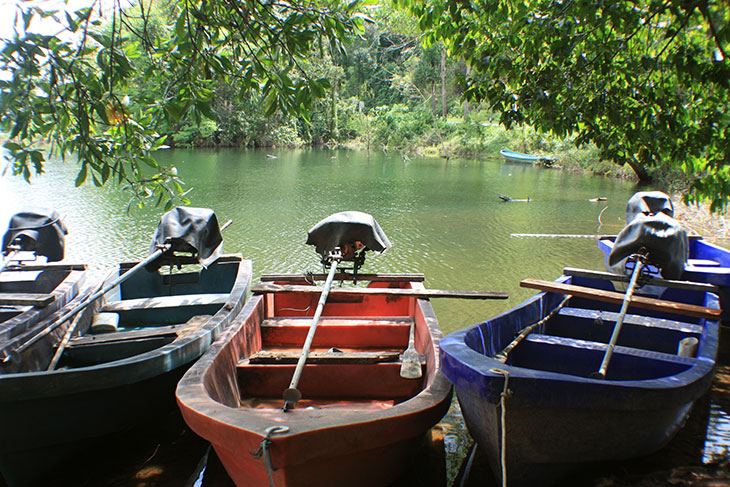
x,y
379,291
618,298
156,331
342,276
26,299
687,285
291,357
44,267
165,302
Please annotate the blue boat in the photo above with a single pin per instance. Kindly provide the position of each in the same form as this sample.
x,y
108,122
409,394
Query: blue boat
x,y
537,408
707,262
518,157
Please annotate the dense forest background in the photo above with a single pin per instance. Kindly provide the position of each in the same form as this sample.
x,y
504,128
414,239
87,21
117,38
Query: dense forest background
x,y
624,88
387,92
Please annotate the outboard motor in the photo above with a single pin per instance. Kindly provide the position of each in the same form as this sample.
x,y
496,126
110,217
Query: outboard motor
x,y
652,234
190,230
648,203
37,230
351,233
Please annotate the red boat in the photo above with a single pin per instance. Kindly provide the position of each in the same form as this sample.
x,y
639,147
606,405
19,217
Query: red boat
x,y
355,419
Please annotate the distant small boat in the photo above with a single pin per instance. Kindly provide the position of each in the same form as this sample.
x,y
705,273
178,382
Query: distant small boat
x,y
518,157
542,390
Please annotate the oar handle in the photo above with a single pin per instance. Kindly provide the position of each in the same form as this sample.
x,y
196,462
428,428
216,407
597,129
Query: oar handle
x,y
292,395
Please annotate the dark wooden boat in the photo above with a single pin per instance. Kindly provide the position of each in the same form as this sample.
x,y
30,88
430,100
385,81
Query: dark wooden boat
x,y
539,410
33,285
359,422
105,383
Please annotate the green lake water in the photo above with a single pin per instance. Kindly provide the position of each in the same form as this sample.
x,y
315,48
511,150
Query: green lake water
x,y
444,218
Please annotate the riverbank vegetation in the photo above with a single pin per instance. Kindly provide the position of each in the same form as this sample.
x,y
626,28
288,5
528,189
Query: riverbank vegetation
x,y
624,90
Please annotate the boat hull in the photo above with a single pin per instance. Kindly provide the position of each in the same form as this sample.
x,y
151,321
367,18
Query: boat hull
x,y
365,423
557,417
93,400
520,158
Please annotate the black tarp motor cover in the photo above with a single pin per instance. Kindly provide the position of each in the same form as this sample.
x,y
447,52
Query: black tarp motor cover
x,y
660,236
189,230
38,230
648,203
347,227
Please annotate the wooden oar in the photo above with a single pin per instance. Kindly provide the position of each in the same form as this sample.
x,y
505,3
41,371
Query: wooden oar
x,y
617,298
410,367
379,291
601,373
88,301
292,395
651,281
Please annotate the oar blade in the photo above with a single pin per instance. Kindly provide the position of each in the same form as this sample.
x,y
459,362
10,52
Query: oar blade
x,y
410,367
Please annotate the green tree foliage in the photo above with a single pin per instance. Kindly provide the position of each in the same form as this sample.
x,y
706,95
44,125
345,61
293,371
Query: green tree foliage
x,y
647,81
100,87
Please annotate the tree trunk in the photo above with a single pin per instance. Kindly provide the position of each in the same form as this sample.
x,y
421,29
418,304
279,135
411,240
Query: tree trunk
x,y
466,102
443,81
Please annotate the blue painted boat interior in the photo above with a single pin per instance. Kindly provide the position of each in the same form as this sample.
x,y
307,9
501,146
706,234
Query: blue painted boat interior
x,y
574,340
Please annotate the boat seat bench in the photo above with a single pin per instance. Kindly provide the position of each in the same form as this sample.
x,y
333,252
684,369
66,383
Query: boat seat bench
x,y
582,357
329,380
26,299
338,332
165,302
165,310
642,332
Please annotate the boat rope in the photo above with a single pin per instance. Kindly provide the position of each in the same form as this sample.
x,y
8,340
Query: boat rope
x,y
503,421
265,450
502,356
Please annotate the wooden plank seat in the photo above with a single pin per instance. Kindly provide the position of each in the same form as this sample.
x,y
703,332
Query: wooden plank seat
x,y
650,333
150,332
626,362
164,310
291,357
96,349
335,381
26,299
165,302
338,332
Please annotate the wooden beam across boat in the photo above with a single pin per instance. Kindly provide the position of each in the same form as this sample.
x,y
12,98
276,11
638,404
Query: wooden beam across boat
x,y
26,299
262,288
618,298
288,357
343,276
652,281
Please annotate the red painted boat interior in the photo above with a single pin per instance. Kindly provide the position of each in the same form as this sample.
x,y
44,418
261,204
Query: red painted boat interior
x,y
375,325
